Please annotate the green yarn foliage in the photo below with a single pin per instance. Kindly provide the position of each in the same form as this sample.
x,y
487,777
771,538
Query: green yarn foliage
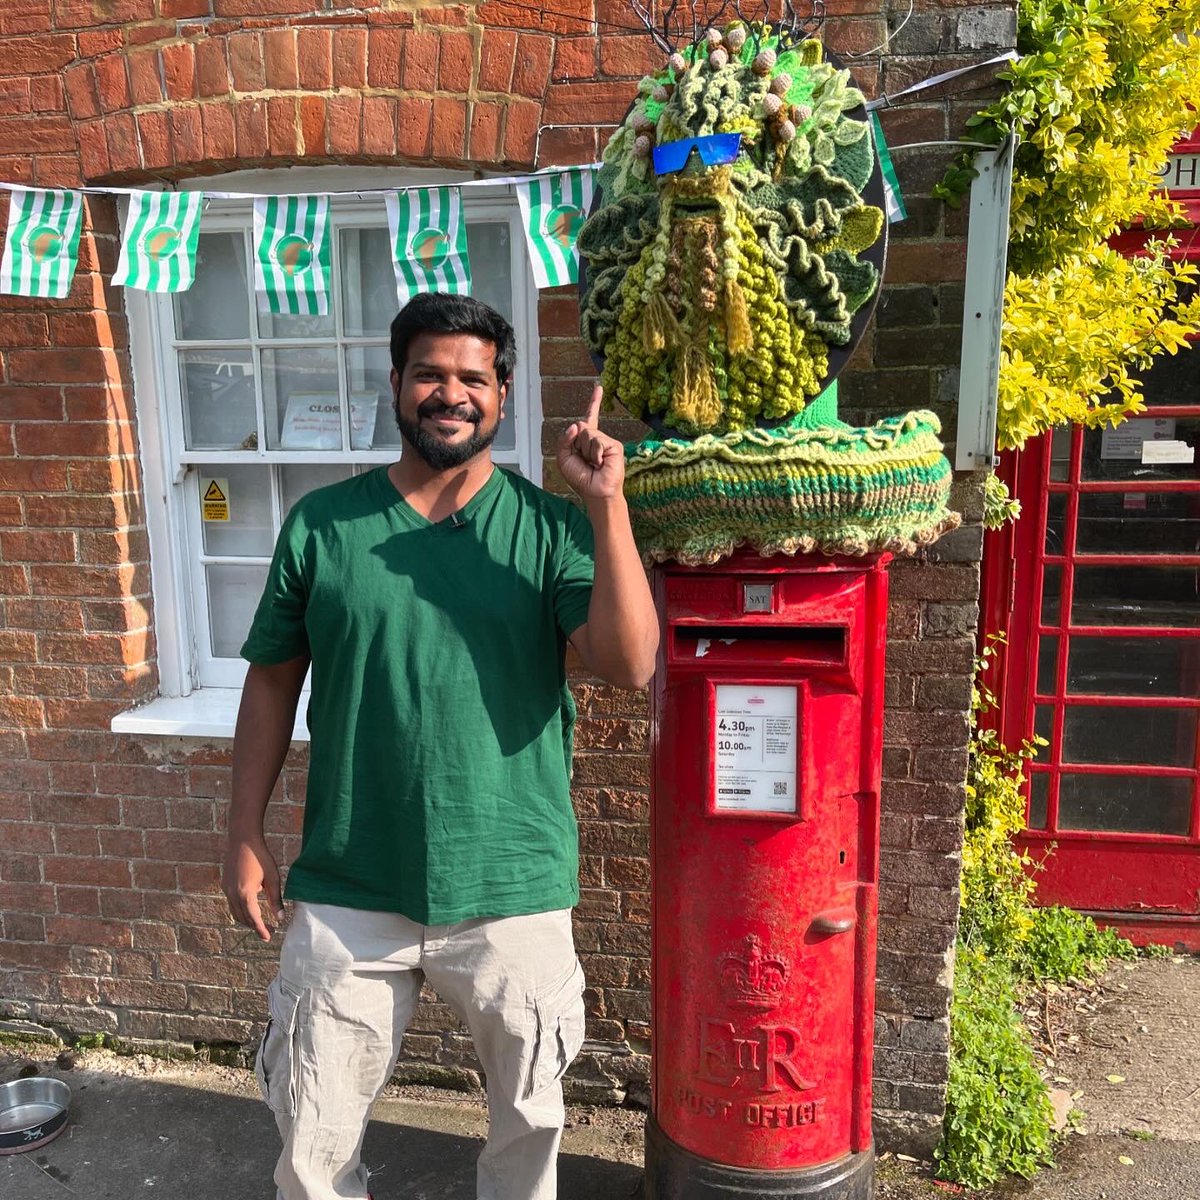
x,y
714,294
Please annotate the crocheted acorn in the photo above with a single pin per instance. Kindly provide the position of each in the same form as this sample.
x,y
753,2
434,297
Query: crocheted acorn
x,y
717,292
763,62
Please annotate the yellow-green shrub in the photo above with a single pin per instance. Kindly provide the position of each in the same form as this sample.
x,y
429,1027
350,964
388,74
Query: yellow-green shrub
x,y
1076,335
998,1118
1102,91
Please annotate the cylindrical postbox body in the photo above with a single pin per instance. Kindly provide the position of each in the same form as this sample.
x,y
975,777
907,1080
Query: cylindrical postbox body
x,y
767,739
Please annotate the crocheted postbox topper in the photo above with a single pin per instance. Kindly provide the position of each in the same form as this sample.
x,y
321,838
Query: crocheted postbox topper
x,y
729,265
724,258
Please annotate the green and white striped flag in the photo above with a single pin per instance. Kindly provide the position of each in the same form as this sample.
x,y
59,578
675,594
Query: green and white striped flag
x,y
291,254
553,208
158,252
42,246
429,242
891,185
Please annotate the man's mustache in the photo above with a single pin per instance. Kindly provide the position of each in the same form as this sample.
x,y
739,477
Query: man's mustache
x,y
460,412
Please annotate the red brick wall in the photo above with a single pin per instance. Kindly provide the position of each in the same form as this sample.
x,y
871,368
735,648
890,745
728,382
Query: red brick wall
x,y
111,914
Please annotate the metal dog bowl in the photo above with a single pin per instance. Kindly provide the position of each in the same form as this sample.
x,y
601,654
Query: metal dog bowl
x,y
33,1112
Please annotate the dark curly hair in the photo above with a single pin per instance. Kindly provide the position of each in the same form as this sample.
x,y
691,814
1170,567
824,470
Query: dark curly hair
x,y
439,312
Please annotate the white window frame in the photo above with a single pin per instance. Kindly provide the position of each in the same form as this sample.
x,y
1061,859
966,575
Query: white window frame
x,y
171,480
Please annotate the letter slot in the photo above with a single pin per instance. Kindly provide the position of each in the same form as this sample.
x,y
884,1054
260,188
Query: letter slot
x,y
747,644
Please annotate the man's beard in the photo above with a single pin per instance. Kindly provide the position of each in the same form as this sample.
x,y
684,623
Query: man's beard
x,y
436,453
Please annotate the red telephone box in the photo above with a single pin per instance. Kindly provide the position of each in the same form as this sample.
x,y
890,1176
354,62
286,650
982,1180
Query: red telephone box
x,y
767,739
1097,588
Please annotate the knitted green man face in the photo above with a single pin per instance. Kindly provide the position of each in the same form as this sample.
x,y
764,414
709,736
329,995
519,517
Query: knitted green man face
x,y
723,262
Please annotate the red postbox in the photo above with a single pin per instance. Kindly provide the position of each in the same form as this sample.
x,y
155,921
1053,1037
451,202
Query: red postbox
x,y
766,719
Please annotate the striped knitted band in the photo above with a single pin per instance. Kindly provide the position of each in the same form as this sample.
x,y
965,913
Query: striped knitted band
x,y
833,489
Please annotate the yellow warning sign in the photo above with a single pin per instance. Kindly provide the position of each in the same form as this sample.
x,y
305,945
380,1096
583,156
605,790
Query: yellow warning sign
x,y
214,499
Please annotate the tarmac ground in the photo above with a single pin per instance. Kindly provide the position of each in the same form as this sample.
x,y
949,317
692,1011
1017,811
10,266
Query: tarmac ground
x,y
141,1129
1128,1055
1125,1053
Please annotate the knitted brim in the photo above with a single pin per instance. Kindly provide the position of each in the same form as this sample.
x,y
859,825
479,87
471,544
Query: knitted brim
x,y
790,490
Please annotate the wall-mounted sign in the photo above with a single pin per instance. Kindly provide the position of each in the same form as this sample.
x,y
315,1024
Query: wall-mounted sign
x,y
755,745
1182,173
1125,441
214,499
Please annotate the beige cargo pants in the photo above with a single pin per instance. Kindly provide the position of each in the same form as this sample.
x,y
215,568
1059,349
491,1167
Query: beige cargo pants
x,y
347,986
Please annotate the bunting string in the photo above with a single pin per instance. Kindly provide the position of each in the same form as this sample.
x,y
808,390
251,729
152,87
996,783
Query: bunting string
x,y
361,193
292,249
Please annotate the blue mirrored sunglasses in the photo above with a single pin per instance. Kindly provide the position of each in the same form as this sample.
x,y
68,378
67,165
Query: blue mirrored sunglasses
x,y
715,150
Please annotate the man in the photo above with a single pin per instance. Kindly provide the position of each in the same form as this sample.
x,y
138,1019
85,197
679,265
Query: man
x,y
433,599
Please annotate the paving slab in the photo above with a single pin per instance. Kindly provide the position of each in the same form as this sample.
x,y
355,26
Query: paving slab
x,y
1130,1057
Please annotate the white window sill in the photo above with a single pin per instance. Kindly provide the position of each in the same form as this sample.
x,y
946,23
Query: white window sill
x,y
210,712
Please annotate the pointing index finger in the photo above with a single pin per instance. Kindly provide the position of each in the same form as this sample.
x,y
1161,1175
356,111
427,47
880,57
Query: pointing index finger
x,y
592,420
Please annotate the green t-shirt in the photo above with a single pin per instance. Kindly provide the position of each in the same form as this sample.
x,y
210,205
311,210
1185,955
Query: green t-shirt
x,y
440,717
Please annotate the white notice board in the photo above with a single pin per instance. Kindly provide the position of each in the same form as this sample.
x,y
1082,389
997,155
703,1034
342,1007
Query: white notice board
x,y
756,744
1128,440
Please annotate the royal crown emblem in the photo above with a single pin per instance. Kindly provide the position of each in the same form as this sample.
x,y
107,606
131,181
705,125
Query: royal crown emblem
x,y
751,977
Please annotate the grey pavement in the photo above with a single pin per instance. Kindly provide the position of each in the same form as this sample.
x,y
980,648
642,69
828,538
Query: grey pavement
x,y
1128,1050
1130,1054
199,1132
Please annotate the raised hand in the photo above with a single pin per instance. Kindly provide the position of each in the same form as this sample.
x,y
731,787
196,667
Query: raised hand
x,y
592,463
